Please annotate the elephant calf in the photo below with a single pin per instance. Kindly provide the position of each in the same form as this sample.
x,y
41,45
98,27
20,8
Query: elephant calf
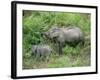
x,y
69,35
41,52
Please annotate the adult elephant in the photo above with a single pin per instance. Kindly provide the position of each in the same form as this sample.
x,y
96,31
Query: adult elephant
x,y
62,36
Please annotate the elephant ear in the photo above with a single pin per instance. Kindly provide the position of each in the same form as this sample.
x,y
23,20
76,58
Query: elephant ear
x,y
55,34
61,38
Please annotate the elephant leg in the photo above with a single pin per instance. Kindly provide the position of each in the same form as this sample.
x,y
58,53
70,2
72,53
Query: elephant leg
x,y
60,48
57,48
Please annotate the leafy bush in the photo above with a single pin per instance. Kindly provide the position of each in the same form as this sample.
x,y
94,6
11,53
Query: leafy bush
x,y
71,50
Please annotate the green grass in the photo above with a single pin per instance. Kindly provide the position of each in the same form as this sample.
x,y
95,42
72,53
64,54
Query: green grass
x,y
35,22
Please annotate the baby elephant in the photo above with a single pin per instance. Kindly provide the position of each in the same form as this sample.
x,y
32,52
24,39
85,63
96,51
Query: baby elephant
x,y
41,52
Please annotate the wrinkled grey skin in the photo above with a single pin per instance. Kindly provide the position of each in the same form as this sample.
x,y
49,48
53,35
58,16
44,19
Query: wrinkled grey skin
x,y
41,52
70,35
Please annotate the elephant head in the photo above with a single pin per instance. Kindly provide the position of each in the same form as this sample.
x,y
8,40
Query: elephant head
x,y
51,33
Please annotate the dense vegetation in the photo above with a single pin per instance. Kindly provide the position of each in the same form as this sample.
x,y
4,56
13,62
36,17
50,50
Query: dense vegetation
x,y
35,22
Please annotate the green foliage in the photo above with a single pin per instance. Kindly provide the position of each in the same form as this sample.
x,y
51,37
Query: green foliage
x,y
71,50
35,22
